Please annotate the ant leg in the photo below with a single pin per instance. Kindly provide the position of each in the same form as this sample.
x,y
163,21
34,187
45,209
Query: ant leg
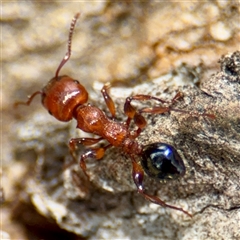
x,y
77,141
82,184
84,141
157,110
108,100
138,175
29,99
131,111
96,153
140,122
160,110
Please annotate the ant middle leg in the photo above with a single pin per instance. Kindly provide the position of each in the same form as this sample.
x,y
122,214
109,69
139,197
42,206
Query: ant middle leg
x,y
137,117
140,122
74,142
138,176
84,141
160,110
96,153
131,111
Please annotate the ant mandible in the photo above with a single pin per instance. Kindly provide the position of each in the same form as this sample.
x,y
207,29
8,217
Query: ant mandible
x,y
65,99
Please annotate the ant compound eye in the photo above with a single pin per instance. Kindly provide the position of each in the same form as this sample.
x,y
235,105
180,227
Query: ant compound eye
x,y
76,81
161,160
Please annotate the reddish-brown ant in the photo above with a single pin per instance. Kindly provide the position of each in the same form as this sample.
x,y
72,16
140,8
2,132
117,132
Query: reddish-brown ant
x,y
65,99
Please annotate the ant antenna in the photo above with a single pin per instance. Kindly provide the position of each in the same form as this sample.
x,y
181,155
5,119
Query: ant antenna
x,y
68,53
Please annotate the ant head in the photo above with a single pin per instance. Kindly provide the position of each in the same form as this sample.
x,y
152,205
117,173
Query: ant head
x,y
161,161
62,95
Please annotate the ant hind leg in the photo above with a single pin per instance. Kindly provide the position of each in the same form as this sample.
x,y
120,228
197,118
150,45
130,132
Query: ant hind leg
x,y
138,176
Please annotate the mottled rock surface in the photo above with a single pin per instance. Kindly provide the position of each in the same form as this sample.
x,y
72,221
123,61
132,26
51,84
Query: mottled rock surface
x,y
151,48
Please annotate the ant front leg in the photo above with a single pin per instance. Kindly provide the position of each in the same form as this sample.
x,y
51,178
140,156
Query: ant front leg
x,y
108,100
28,102
138,176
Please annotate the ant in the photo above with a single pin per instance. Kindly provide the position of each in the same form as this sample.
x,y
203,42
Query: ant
x,y
65,99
